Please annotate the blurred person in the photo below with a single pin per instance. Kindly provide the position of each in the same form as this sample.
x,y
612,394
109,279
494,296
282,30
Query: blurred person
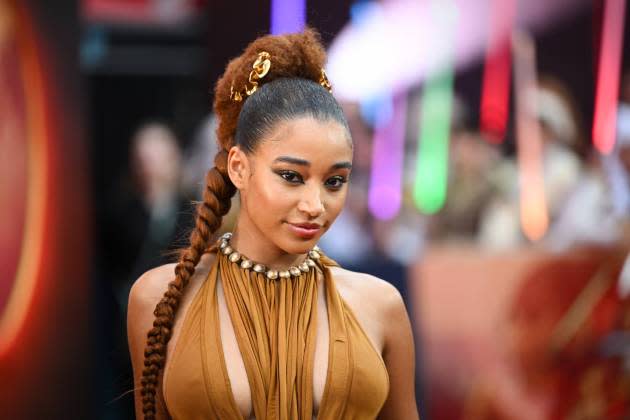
x,y
562,152
196,161
140,221
283,333
472,167
563,142
598,210
149,213
568,344
591,213
198,156
617,163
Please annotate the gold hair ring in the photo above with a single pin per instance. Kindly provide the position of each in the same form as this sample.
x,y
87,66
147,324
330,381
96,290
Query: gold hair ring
x,y
235,96
260,68
323,80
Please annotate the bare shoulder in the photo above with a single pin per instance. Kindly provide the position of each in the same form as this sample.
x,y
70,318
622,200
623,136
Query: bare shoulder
x,y
376,303
146,293
148,289
374,292
380,307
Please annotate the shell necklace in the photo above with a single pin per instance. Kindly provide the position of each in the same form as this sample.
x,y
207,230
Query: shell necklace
x,y
247,264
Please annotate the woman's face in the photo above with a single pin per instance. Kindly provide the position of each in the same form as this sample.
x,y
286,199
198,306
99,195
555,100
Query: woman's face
x,y
295,183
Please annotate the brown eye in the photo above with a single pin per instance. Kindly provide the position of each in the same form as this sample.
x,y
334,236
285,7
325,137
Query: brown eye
x,y
291,177
336,182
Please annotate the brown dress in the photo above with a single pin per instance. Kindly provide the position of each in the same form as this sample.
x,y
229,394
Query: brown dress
x,y
275,324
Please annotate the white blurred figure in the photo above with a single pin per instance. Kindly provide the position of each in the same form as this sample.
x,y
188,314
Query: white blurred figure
x,y
561,163
617,164
598,210
561,142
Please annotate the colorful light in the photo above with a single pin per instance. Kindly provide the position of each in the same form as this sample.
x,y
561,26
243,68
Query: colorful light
x,y
435,119
287,16
533,205
495,92
385,194
605,118
432,163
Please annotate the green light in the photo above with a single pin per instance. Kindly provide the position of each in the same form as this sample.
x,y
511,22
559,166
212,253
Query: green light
x,y
432,163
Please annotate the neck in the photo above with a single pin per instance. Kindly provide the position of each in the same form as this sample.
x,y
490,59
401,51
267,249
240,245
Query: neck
x,y
249,241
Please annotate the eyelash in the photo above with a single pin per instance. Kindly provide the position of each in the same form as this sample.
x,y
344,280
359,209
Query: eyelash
x,y
295,178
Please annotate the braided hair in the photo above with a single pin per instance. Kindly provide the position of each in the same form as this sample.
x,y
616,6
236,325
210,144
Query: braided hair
x,y
289,90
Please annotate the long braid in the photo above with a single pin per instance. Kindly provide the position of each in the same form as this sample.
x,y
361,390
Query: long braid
x,y
209,213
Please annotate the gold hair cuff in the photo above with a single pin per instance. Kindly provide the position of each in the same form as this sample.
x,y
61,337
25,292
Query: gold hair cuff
x,y
260,68
323,80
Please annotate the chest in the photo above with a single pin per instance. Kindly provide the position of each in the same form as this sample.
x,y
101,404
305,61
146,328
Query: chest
x,y
236,368
186,380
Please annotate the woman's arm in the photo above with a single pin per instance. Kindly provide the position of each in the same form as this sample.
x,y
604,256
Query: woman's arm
x,y
145,294
399,356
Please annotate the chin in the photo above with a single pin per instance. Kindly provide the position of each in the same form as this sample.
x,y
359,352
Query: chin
x,y
299,246
295,245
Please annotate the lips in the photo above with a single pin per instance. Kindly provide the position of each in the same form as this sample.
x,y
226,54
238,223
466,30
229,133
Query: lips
x,y
307,225
305,230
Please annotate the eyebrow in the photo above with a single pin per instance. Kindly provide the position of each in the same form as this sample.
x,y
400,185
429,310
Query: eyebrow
x,y
342,165
293,160
302,162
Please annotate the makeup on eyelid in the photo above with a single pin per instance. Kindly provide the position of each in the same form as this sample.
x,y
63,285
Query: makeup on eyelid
x,y
295,178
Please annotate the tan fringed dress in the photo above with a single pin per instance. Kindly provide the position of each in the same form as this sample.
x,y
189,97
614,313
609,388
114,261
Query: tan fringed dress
x,y
275,326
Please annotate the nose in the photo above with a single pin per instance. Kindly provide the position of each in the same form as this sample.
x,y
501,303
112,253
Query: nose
x,y
311,202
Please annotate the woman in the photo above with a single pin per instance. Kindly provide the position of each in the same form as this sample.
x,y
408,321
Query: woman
x,y
283,333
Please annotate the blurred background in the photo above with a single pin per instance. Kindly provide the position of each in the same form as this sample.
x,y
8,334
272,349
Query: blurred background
x,y
491,186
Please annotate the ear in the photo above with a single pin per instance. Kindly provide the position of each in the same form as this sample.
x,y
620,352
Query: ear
x,y
238,167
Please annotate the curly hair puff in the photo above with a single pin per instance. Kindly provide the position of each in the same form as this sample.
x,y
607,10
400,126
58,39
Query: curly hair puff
x,y
292,56
297,60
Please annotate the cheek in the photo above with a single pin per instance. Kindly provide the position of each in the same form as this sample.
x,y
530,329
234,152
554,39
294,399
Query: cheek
x,y
334,203
268,201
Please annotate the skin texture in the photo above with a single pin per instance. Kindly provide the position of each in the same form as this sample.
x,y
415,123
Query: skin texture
x,y
310,188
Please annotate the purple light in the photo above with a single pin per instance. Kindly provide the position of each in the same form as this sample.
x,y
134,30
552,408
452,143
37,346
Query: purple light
x,y
287,16
385,194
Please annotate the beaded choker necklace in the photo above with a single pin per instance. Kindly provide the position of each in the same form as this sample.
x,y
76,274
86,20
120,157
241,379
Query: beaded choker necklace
x,y
247,264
